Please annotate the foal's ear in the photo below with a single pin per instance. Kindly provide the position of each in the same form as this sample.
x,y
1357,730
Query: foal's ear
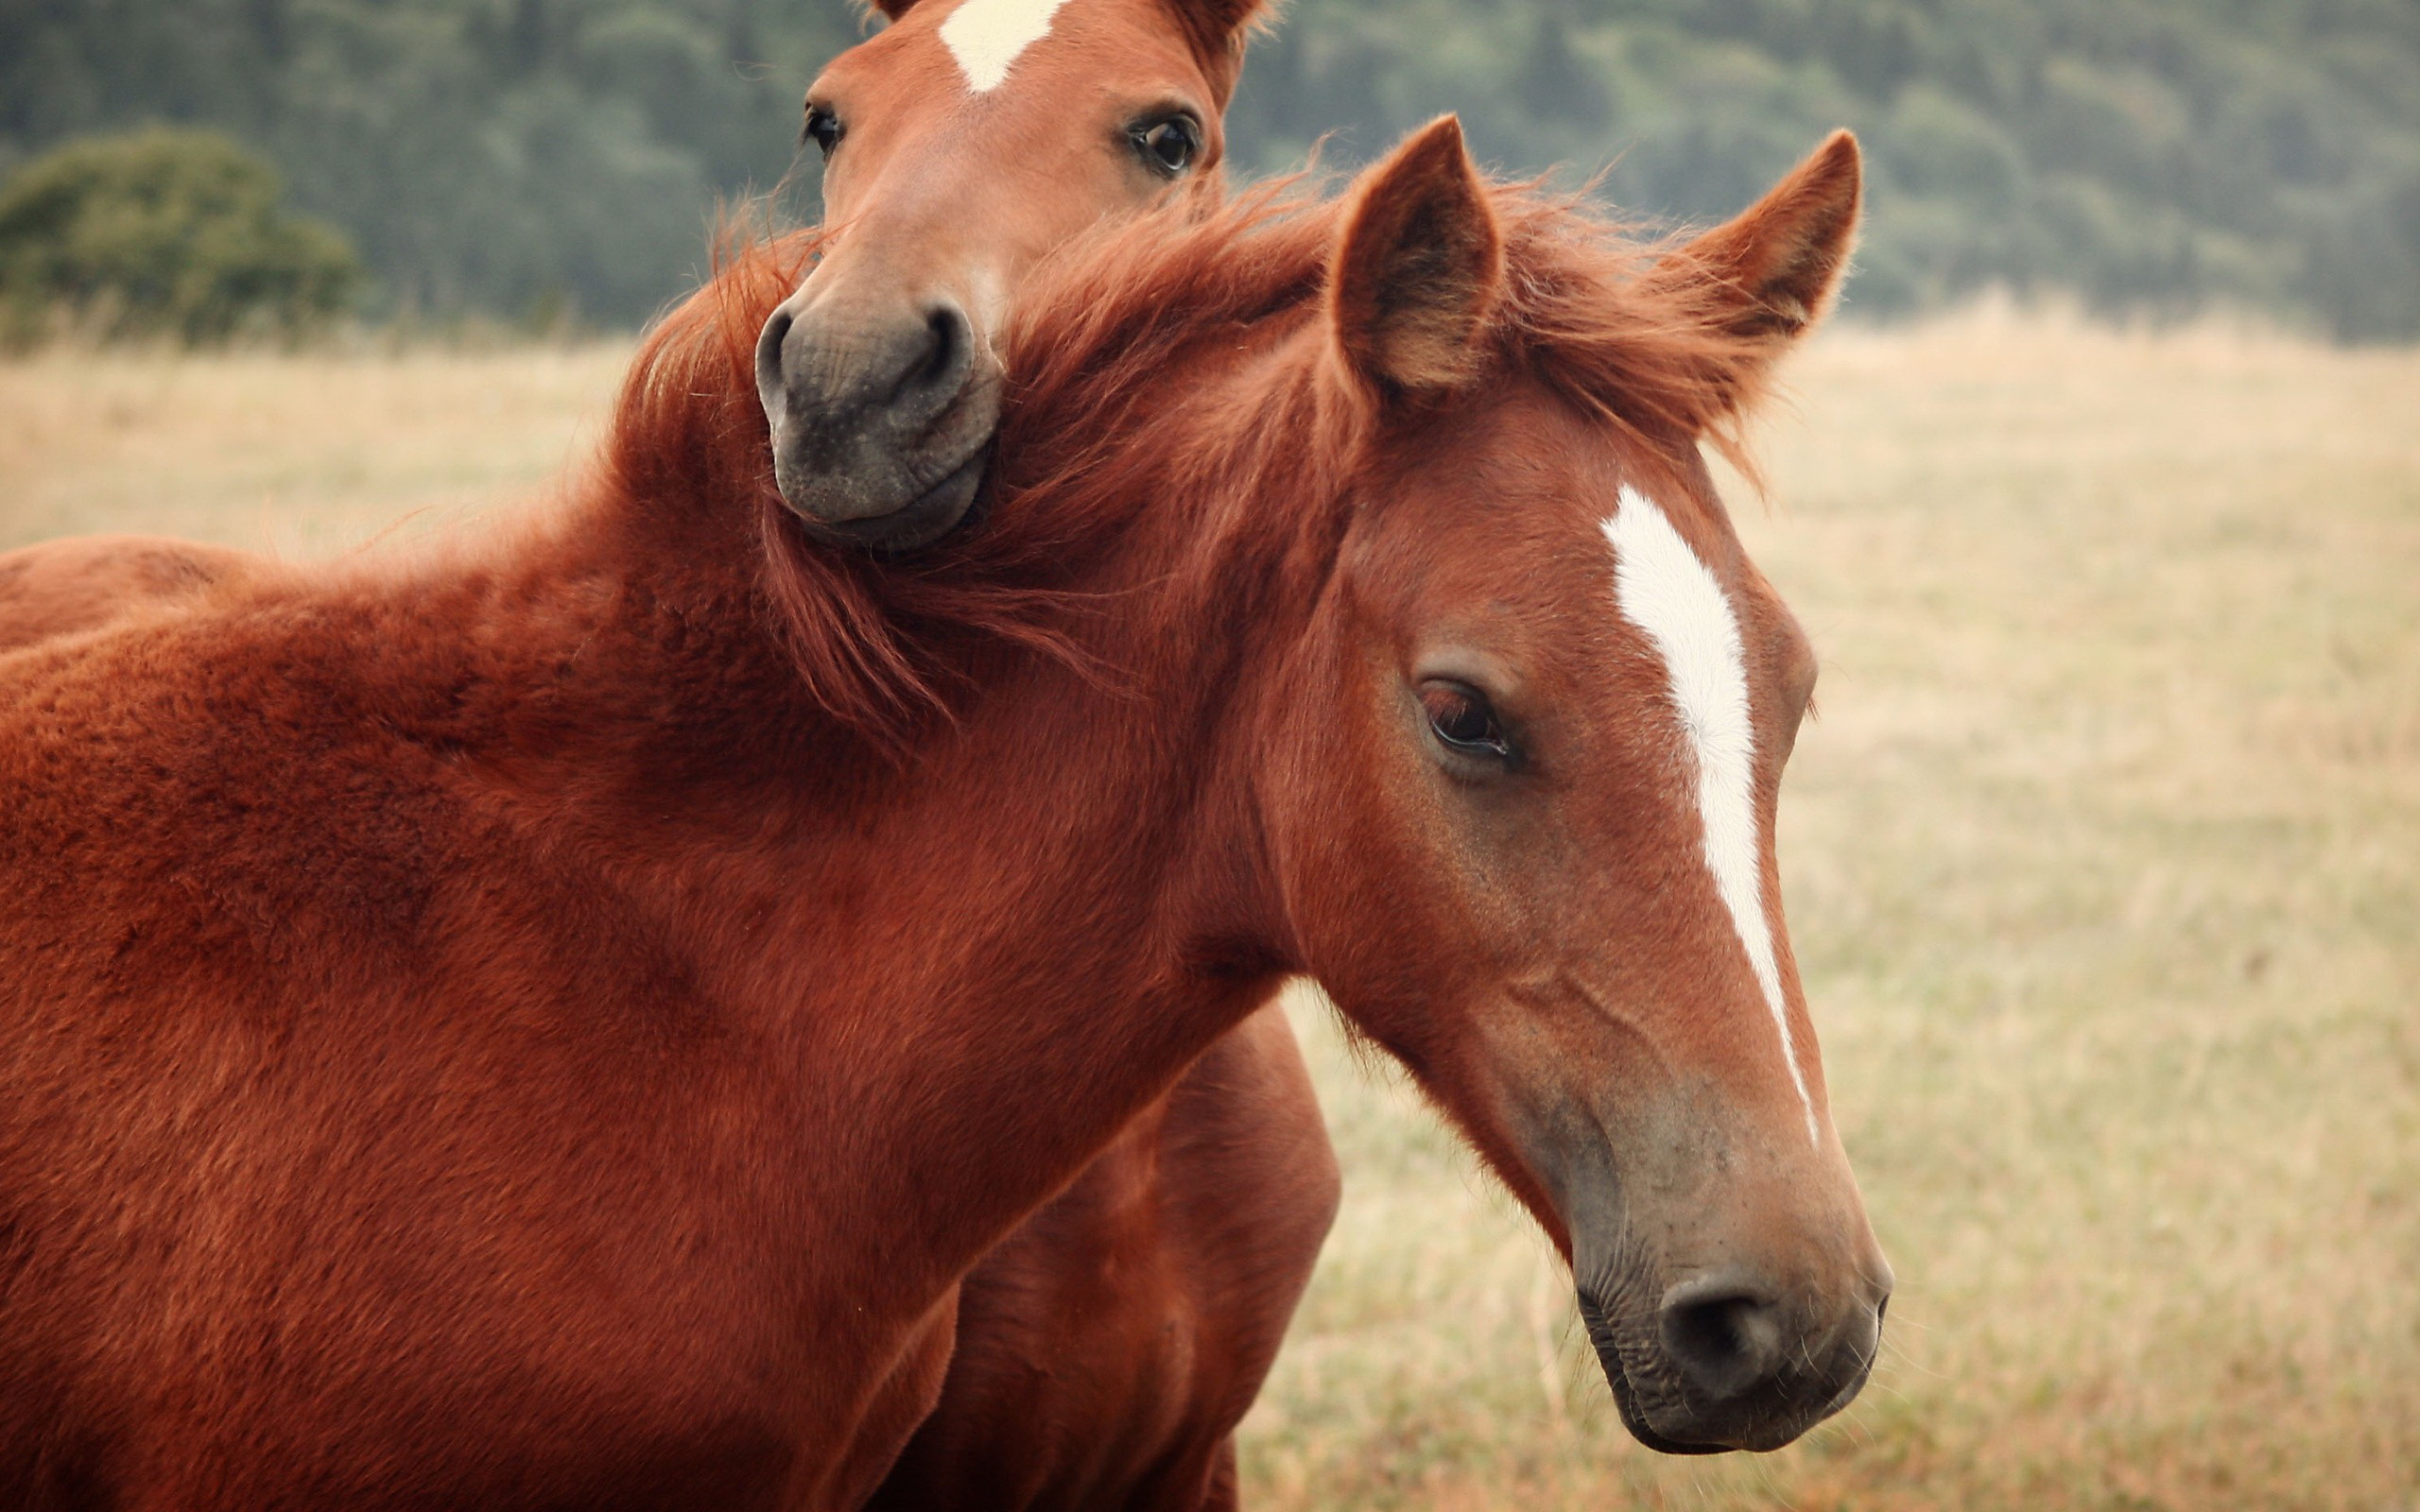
x,y
1218,30
1418,267
1768,276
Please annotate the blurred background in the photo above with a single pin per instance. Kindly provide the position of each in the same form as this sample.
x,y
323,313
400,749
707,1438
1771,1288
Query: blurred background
x,y
540,160
2103,506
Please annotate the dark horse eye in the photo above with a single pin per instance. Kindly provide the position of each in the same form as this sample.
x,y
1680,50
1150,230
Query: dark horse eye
x,y
1461,717
822,128
1168,145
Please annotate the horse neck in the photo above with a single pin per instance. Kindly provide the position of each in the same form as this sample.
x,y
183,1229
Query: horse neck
x,y
1018,939
577,664
971,966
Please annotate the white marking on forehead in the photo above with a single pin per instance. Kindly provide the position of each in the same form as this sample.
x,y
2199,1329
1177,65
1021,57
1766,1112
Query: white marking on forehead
x,y
986,36
1662,587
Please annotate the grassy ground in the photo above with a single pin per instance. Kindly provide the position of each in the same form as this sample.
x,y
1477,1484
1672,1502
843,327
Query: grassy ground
x,y
300,456
2103,863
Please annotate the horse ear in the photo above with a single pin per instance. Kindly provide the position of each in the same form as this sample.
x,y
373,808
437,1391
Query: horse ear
x,y
1217,30
1765,278
1221,19
1419,267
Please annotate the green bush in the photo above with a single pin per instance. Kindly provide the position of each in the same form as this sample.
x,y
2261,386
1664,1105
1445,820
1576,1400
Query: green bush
x,y
164,233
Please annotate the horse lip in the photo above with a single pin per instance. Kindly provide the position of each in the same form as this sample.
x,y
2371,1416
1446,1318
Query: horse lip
x,y
1626,1404
1633,1417
944,499
1852,1385
933,514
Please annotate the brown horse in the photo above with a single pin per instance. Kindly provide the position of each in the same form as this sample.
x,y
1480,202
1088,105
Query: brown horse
x,y
1134,1318
439,1002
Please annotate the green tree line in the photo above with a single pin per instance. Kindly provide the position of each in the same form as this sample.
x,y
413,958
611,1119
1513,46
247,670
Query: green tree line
x,y
163,232
2152,156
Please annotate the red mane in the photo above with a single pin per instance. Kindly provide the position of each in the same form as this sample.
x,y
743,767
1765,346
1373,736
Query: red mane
x,y
1619,326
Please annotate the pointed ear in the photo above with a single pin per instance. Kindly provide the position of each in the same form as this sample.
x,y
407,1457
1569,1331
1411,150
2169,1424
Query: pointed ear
x,y
1217,30
892,9
1768,276
1418,267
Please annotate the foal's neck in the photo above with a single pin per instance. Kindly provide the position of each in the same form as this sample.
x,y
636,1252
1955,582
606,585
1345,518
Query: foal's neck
x,y
1078,864
1004,945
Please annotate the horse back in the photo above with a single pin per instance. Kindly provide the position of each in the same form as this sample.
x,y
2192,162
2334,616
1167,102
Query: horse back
x,y
66,587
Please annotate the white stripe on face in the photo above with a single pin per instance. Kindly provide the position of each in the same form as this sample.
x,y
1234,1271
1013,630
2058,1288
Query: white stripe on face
x,y
1661,587
986,36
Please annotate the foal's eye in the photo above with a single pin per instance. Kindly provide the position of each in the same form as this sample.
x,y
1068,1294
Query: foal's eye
x,y
1462,718
822,128
1168,145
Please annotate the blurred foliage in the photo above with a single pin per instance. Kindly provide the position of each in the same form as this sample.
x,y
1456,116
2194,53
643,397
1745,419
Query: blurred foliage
x,y
505,157
166,233
2154,156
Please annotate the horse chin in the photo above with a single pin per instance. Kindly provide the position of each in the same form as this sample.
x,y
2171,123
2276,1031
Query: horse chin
x,y
924,520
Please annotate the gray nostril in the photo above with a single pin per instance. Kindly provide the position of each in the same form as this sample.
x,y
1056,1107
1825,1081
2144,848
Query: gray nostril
x,y
949,346
770,380
1726,1339
866,403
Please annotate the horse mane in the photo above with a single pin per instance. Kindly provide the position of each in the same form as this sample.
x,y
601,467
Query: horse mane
x,y
1625,326
877,644
1620,326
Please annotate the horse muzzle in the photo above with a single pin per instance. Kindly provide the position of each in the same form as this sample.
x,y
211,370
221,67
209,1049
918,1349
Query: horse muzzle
x,y
1723,1360
881,427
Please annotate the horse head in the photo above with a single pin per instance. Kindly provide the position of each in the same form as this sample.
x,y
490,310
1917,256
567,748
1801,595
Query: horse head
x,y
1523,764
961,144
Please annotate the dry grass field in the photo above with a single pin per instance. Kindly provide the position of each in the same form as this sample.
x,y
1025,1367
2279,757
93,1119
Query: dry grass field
x,y
2103,863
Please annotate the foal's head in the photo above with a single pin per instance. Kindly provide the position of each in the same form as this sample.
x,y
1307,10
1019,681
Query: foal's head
x,y
962,142
1522,769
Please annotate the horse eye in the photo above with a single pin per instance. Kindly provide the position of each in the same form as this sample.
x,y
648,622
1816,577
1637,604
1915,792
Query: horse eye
x,y
1461,717
1168,145
822,128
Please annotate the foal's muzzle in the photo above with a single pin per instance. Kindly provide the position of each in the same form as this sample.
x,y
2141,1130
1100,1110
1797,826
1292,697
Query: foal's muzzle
x,y
881,423
1727,1360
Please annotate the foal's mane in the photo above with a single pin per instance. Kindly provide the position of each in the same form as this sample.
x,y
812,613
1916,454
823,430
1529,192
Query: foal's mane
x,y
1621,327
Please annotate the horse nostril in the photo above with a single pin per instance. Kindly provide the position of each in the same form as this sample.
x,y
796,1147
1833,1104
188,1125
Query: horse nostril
x,y
949,349
770,384
1725,1337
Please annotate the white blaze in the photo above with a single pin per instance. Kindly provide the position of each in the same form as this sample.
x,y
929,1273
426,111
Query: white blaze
x,y
986,36
1662,587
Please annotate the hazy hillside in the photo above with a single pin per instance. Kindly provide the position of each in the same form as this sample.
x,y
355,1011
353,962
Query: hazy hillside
x,y
2151,154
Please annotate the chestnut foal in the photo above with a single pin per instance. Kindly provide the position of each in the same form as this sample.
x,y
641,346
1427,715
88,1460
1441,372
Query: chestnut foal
x,y
483,1032
1107,1348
